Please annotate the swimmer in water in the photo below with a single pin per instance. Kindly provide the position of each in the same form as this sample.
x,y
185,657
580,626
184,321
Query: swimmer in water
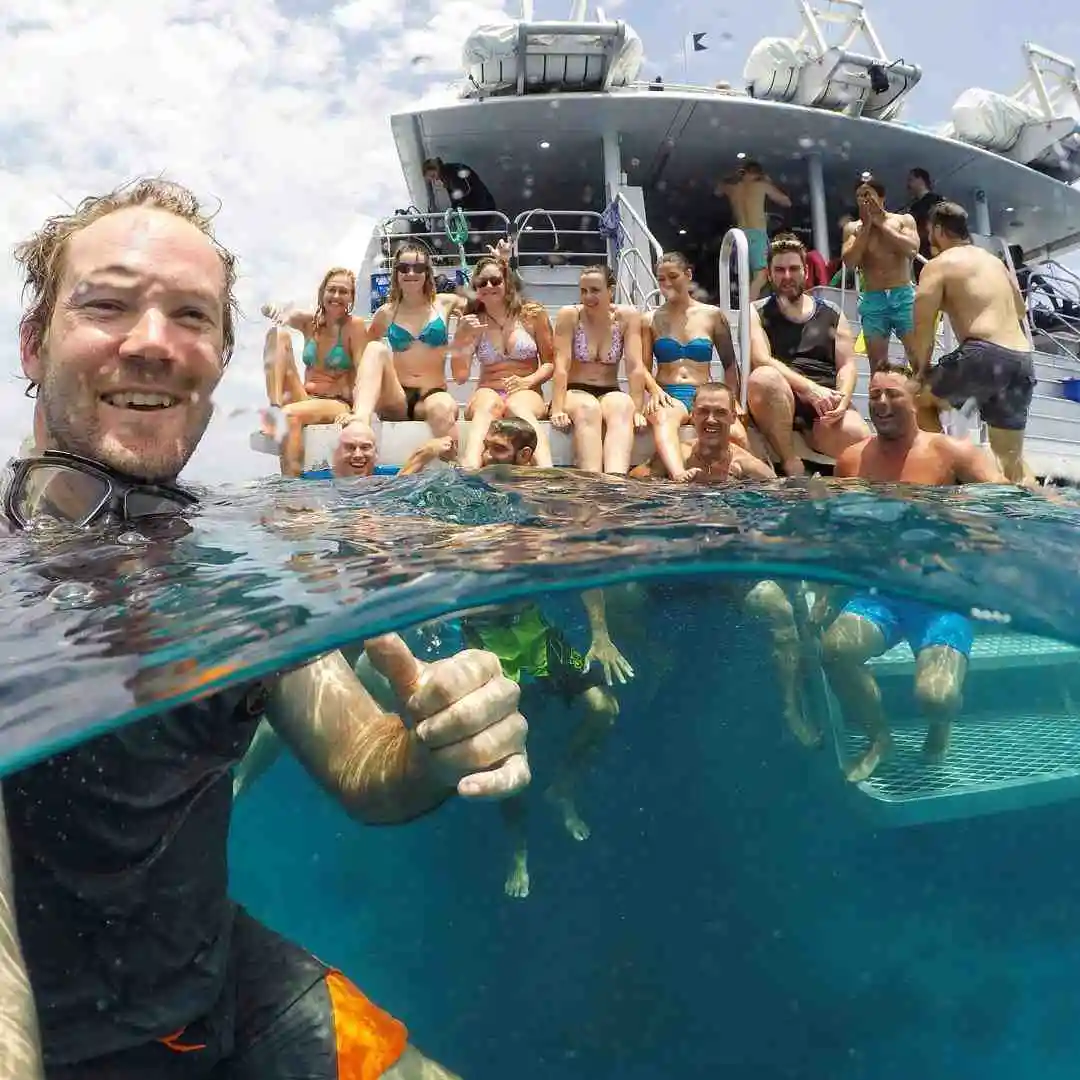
x,y
402,373
512,341
592,339
870,623
882,246
140,962
534,651
356,452
334,338
713,458
994,363
680,336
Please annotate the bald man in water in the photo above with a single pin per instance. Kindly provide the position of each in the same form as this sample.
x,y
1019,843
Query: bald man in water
x,y
357,453
870,623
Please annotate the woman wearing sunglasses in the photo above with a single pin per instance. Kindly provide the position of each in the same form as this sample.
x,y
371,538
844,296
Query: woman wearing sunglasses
x,y
402,373
334,339
511,339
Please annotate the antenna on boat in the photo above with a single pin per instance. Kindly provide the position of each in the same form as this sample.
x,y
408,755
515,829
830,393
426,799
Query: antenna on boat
x,y
526,10
577,12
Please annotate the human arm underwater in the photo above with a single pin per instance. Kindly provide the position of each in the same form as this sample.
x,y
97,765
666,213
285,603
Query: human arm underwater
x,y
467,735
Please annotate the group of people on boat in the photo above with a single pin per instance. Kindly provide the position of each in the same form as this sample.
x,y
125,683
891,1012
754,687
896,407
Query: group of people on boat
x,y
121,954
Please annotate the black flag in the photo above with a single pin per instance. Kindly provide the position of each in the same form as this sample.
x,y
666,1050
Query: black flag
x,y
698,46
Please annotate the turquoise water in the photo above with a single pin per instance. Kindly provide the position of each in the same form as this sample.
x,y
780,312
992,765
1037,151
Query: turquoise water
x,y
739,908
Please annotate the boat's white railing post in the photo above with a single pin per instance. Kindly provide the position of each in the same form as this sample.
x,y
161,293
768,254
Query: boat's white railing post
x,y
629,253
737,238
819,214
655,245
526,10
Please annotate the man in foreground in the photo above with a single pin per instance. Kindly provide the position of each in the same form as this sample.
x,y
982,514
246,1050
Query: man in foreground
x,y
141,965
994,363
803,366
882,246
712,457
870,623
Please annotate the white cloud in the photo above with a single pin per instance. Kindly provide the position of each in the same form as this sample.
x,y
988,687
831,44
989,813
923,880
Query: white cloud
x,y
282,116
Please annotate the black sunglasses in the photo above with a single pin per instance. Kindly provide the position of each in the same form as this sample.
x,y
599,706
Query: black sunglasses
x,y
77,490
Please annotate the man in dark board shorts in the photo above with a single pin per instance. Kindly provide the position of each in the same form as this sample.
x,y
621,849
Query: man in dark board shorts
x,y
994,363
140,963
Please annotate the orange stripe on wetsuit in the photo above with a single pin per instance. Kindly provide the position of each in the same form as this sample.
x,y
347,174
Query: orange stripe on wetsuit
x,y
368,1040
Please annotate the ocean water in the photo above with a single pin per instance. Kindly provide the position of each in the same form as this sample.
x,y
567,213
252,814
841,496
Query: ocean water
x,y
739,908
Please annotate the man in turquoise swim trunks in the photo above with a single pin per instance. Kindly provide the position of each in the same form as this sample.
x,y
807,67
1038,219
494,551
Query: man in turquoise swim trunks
x,y
747,191
871,623
882,246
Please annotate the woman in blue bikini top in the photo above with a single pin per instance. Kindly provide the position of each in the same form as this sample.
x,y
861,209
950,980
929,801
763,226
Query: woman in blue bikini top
x,y
408,375
680,337
334,339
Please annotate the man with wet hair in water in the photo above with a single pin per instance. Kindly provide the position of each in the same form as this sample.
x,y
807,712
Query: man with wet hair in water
x,y
141,964
994,363
747,191
712,457
534,652
882,245
869,624
356,452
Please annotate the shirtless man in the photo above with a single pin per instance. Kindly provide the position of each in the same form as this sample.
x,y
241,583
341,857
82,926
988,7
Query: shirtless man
x,y
882,246
994,363
747,192
869,624
803,367
712,457
356,453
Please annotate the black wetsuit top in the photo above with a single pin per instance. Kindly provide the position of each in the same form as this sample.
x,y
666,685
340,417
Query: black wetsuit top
x,y
806,347
920,211
119,853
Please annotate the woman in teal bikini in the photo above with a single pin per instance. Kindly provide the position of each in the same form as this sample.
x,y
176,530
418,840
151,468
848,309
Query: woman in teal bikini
x,y
680,336
333,340
402,373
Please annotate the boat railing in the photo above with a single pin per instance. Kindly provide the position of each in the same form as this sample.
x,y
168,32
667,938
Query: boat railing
x,y
624,204
1053,305
444,233
635,269
635,280
559,237
735,239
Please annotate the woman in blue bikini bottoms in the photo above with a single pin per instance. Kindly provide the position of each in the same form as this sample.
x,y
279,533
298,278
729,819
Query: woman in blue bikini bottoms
x,y
334,338
511,340
680,336
402,373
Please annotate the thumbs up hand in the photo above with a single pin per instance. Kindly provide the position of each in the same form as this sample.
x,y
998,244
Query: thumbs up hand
x,y
465,713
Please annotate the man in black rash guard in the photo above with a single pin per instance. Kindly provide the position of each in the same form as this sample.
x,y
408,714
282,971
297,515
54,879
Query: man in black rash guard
x,y
140,964
803,367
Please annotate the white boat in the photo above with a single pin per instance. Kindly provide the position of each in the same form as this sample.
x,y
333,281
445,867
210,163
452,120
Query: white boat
x,y
587,162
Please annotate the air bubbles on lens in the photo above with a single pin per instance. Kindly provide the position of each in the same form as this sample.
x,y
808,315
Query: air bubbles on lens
x,y
806,143
69,595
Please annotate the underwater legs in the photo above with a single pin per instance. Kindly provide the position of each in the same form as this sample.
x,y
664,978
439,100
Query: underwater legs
x,y
514,814
939,680
845,648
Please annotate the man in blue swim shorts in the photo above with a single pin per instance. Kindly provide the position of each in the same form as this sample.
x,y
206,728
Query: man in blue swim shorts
x,y
869,624
882,246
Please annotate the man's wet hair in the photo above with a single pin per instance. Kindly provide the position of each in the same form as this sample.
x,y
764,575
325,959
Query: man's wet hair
x,y
896,367
715,388
951,218
786,244
753,167
874,185
521,433
41,256
921,174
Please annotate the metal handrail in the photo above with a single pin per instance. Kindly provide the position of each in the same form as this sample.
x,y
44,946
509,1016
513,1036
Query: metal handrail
x,y
737,238
433,220
657,247
626,257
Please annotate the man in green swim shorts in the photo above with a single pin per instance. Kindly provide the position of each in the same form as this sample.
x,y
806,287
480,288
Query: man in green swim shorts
x,y
534,653
882,246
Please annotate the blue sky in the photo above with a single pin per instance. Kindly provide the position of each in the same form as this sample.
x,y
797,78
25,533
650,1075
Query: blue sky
x,y
278,108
